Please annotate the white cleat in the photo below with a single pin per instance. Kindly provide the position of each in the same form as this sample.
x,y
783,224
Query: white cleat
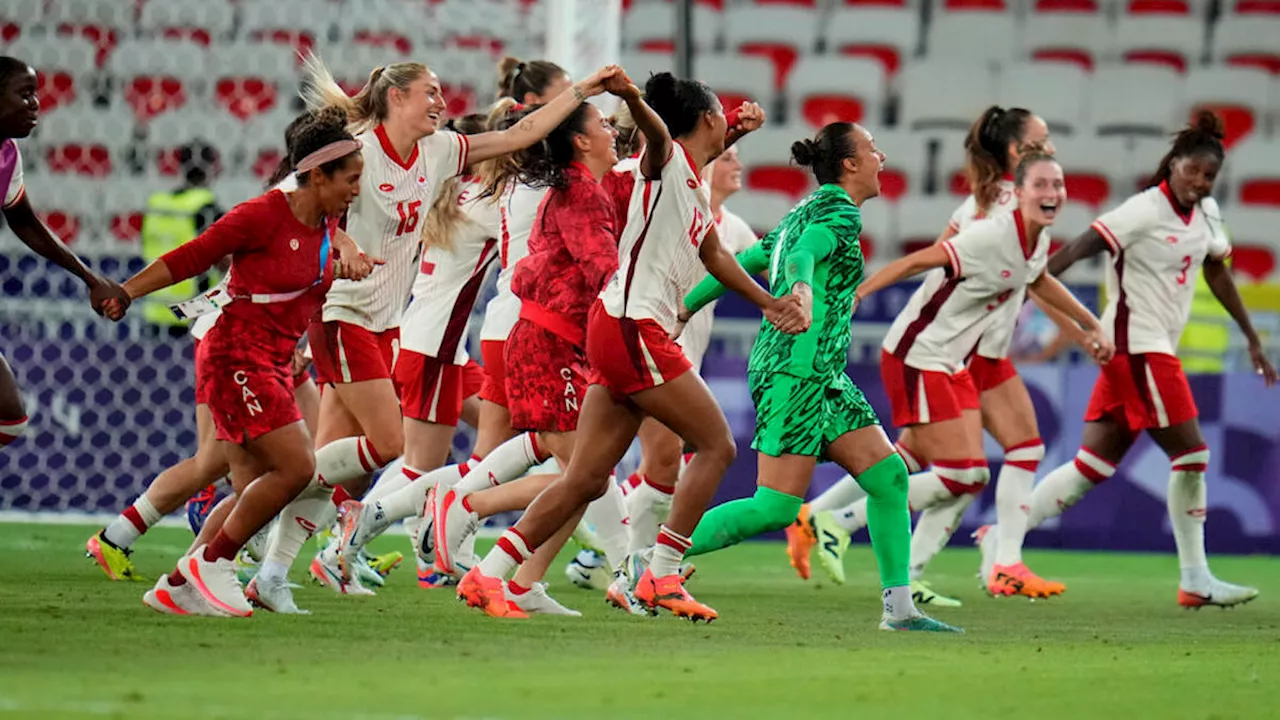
x,y
178,599
217,582
324,569
423,533
621,592
257,545
274,596
358,524
648,509
365,572
453,525
1218,594
538,601
985,538
588,570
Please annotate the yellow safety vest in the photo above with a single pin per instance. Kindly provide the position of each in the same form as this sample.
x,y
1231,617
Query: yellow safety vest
x,y
1207,338
169,222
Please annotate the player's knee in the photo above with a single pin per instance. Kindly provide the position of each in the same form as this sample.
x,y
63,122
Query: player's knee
x,y
777,509
300,470
595,487
1192,462
963,477
12,428
1025,455
719,450
388,444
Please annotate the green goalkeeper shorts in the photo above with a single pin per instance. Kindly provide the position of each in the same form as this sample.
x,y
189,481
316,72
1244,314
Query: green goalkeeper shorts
x,y
802,416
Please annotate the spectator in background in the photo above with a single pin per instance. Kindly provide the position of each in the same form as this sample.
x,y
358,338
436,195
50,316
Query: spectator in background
x,y
174,218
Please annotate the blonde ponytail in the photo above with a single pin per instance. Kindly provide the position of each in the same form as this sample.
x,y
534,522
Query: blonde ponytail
x,y
369,107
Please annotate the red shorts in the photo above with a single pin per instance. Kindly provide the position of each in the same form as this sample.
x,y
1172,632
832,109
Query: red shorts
x,y
1142,391
546,379
988,373
629,355
495,371
347,353
247,395
472,378
298,380
430,390
920,397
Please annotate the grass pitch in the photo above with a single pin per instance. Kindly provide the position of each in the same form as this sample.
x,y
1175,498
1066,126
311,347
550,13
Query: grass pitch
x,y
1116,645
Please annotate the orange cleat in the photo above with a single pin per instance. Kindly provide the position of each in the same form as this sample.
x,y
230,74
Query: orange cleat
x,y
669,593
800,542
487,593
1009,580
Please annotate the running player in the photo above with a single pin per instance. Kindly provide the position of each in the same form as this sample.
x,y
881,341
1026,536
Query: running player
x,y
19,114
281,267
806,407
1158,241
669,230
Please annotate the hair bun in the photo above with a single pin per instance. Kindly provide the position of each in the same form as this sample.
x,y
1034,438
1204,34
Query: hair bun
x,y
1208,122
804,152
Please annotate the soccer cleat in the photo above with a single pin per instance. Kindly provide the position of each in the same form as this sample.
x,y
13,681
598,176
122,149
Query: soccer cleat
x,y
1221,594
113,560
588,570
384,564
832,541
324,570
200,505
800,542
256,548
355,521
453,525
274,596
364,571
669,594
432,580
923,594
488,594
585,536
1009,580
246,567
216,580
918,623
536,600
177,599
621,593
985,538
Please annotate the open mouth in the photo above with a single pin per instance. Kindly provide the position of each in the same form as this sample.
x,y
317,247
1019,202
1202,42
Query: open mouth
x,y
1050,210
435,117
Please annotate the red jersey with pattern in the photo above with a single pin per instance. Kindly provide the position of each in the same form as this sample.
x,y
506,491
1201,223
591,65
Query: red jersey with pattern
x,y
573,251
271,253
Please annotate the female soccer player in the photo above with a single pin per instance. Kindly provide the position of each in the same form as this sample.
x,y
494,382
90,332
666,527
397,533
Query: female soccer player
x,y
408,159
1158,241
923,356
669,232
531,83
806,407
993,148
281,267
19,114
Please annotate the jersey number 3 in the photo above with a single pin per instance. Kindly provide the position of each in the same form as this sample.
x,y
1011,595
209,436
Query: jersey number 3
x,y
408,216
1186,265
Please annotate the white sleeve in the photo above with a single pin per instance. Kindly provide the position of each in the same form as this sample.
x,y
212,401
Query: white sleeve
x,y
1219,240
970,251
447,153
1122,226
735,234
964,215
16,188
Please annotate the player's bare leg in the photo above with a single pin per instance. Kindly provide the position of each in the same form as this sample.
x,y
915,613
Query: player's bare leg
x,y
494,428
649,503
13,414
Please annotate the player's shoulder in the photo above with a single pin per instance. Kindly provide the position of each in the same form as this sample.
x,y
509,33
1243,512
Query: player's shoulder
x,y
1209,206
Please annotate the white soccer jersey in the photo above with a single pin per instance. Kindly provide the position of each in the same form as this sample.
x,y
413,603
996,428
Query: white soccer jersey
x,y
658,262
448,281
946,315
1156,254
998,336
11,163
735,235
386,221
518,209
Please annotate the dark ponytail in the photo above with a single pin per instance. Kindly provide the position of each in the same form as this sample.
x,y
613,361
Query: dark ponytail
x,y
1203,135
987,151
543,164
285,166
680,103
517,78
826,152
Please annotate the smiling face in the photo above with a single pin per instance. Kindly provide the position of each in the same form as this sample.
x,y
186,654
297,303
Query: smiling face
x,y
336,191
19,104
597,141
1043,192
420,105
1191,177
726,173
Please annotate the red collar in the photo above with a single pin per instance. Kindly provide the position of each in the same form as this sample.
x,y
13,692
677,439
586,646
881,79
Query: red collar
x,y
693,167
390,149
1022,234
1185,215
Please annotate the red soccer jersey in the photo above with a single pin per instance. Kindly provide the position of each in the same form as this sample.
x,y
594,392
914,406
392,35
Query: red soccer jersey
x,y
271,253
573,251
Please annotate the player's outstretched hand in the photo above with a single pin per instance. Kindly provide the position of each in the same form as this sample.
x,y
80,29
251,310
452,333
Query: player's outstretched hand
x,y
1262,365
595,83
620,85
300,362
1099,346
108,298
787,313
750,117
358,266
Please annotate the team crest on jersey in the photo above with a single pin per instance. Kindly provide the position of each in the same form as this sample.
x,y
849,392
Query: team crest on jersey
x,y
1006,274
422,180
386,187
293,244
693,184
1173,239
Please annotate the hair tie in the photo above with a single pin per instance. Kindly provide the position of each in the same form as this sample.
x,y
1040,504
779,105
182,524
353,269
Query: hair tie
x,y
328,153
519,69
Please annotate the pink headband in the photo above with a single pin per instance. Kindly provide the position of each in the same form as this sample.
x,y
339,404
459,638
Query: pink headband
x,y
332,151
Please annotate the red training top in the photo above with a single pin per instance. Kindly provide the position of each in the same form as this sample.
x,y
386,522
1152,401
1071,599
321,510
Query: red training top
x,y
271,252
573,251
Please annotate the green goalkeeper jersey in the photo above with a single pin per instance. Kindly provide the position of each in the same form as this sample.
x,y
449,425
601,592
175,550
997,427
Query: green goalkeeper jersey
x,y
815,243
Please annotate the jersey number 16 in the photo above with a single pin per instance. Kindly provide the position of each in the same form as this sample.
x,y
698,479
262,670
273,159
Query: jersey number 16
x,y
408,216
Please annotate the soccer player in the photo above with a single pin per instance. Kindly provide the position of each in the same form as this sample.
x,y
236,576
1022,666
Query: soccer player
x,y
1158,241
806,407
923,356
639,368
19,115
282,263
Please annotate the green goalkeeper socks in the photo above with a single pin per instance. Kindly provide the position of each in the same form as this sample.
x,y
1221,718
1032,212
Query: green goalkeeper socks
x,y
888,518
733,522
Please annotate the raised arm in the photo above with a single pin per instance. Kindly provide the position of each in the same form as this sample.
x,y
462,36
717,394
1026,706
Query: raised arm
x,y
1089,243
934,256
657,138
538,124
1052,293
746,119
1223,286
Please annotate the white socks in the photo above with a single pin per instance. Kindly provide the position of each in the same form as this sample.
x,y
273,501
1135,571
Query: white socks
x,y
409,500
934,528
648,507
1013,499
608,517
942,495
510,550
298,521
394,477
845,491
1064,487
898,604
1187,504
346,459
509,461
132,523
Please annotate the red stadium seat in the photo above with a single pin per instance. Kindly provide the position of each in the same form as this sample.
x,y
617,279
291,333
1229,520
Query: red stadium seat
x,y
253,78
294,23
1068,6
887,34
1158,7
1090,188
980,5
245,97
790,181
1246,41
825,89
1256,7
1261,191
1237,95
80,158
776,33
1254,173
1255,262
198,21
65,225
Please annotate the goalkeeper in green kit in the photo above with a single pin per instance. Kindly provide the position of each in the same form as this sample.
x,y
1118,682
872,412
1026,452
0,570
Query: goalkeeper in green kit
x,y
806,407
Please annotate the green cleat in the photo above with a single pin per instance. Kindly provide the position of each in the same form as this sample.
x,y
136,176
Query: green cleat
x,y
923,594
833,542
385,563
919,623
114,561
